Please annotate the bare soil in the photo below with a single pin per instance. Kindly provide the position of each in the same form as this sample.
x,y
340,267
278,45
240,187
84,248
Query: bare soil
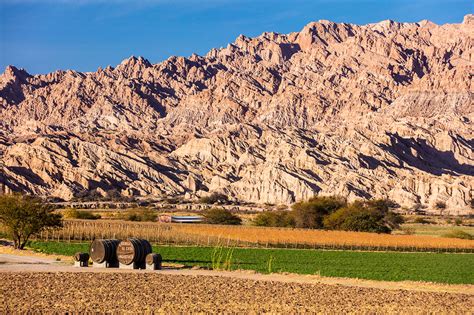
x,y
38,282
132,292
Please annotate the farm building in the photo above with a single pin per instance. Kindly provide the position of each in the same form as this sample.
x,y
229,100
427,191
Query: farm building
x,y
180,219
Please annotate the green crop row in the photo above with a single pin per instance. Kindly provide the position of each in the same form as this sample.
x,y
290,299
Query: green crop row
x,y
389,266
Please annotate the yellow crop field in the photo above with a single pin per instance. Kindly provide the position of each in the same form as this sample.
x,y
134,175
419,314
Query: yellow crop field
x,y
322,237
248,236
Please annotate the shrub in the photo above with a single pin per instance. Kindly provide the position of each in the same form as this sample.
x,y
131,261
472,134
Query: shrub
x,y
459,234
310,214
369,216
221,216
275,219
422,220
383,205
85,215
25,216
440,205
408,230
215,198
88,195
417,207
137,214
393,220
458,221
172,200
356,218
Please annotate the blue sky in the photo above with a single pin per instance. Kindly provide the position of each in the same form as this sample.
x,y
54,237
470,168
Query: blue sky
x,y
44,35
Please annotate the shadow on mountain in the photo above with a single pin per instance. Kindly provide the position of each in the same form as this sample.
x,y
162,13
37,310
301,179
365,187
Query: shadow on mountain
x,y
419,154
368,162
28,174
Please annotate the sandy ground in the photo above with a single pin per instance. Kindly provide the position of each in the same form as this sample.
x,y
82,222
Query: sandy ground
x,y
32,281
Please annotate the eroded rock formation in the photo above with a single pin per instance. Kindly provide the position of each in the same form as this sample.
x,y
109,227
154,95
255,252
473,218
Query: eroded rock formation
x,y
380,110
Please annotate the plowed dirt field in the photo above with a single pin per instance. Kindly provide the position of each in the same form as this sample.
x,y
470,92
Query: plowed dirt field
x,y
146,292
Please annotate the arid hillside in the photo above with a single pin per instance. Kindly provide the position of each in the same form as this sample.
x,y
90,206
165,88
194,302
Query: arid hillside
x,y
379,110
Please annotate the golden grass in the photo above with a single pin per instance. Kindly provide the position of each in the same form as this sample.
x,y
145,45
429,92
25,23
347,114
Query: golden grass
x,y
321,237
203,235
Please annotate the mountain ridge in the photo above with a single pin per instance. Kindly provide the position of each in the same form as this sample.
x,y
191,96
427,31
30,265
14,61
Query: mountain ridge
x,y
378,110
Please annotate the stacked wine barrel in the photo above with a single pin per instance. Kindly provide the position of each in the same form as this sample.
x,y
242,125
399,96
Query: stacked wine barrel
x,y
153,261
104,251
81,257
133,251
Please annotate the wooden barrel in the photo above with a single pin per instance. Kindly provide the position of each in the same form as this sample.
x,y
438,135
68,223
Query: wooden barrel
x,y
103,250
153,259
79,256
133,250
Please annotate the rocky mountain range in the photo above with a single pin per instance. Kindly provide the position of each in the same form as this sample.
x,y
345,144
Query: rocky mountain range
x,y
379,110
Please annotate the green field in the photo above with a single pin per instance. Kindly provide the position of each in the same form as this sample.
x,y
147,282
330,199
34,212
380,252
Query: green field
x,y
434,229
390,266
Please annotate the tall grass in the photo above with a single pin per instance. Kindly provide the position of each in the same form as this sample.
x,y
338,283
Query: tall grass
x,y
221,258
270,264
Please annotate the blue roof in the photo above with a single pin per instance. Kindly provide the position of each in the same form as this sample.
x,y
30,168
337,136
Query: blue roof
x,y
185,217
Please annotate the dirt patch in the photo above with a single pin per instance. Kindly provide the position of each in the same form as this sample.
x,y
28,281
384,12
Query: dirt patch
x,y
9,250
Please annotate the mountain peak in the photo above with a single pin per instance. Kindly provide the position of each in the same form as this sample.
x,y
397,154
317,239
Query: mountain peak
x,y
468,19
10,69
133,60
133,66
14,73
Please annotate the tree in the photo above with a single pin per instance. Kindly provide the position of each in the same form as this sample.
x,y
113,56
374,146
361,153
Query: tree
x,y
215,198
84,215
441,206
221,216
139,214
369,216
280,218
24,216
310,214
384,206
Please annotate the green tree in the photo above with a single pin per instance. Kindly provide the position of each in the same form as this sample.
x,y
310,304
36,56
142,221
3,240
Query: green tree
x,y
274,218
84,214
369,216
310,214
25,216
138,214
384,206
221,216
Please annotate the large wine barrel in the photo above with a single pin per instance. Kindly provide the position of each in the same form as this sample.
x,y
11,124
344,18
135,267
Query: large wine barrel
x,y
133,250
103,250
79,256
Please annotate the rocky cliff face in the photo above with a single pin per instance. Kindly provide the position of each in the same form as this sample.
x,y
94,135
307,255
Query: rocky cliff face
x,y
380,110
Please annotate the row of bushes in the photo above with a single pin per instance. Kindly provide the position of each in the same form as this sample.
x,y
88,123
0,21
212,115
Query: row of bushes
x,y
84,215
334,213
